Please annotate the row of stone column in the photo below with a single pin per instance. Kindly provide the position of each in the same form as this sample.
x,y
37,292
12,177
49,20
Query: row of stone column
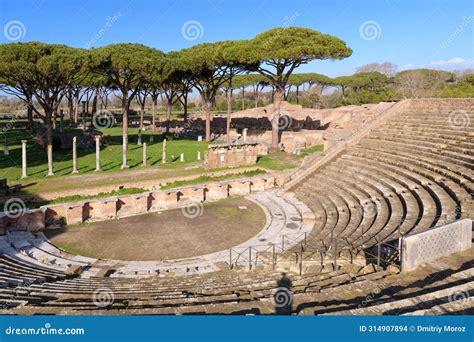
x,y
24,167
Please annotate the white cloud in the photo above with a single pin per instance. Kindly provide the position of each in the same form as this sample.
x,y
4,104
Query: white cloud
x,y
452,61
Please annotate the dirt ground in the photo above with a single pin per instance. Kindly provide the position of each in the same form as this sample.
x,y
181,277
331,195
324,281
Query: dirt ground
x,y
170,234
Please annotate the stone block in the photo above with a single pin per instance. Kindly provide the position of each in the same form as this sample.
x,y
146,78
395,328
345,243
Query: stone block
x,y
436,243
132,205
55,215
190,195
31,220
156,201
74,213
239,188
280,179
269,182
215,191
102,209
171,198
257,184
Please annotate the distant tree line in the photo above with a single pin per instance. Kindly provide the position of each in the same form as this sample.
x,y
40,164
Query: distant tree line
x,y
43,75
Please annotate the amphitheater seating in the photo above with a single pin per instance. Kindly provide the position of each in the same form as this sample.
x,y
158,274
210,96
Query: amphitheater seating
x,y
407,175
411,173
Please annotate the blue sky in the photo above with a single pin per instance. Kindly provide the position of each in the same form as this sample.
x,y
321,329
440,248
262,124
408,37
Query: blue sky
x,y
410,33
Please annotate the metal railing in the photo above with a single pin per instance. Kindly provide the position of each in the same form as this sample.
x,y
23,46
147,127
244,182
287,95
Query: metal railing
x,y
382,252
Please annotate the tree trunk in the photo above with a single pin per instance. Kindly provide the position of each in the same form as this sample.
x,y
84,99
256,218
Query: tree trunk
x,y
278,98
169,107
70,106
142,113
185,106
29,114
297,94
243,98
48,113
207,108
76,110
125,104
229,112
154,104
94,102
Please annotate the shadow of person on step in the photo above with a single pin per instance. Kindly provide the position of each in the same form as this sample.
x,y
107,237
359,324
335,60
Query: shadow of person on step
x,y
282,296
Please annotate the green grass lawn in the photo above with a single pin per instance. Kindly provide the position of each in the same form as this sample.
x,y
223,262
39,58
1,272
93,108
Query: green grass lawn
x,y
280,161
111,160
111,155
203,179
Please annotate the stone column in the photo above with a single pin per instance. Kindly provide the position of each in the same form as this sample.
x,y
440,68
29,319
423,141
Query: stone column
x,y
6,152
24,173
97,153
199,155
163,157
144,154
244,134
50,160
181,157
124,152
74,155
139,142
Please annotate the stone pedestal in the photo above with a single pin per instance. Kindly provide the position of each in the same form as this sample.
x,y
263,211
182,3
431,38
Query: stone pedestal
x,y
97,153
144,154
74,155
50,160
24,172
163,153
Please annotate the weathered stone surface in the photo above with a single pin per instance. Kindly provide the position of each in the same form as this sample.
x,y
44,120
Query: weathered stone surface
x,y
54,215
218,156
191,194
239,188
436,243
257,184
132,205
31,220
74,213
156,201
216,191
104,209
269,182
